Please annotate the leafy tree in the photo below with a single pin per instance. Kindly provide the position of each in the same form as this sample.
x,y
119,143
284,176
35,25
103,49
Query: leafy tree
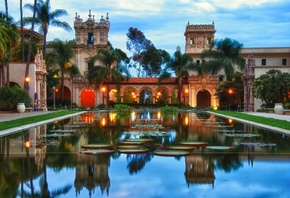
x,y
180,64
153,59
137,43
46,17
18,49
8,38
236,85
223,54
272,87
110,66
62,53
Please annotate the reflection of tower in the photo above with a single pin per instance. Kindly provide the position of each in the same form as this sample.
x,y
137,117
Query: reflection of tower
x,y
199,170
92,172
248,78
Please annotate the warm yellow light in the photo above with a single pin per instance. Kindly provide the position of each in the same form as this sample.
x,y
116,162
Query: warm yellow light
x,y
186,120
67,65
186,90
230,91
103,122
27,144
230,121
103,89
27,79
55,76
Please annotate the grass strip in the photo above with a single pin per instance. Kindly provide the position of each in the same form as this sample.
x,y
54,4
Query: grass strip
x,y
33,119
283,124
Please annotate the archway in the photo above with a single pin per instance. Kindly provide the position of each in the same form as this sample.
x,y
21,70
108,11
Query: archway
x,y
203,99
88,98
146,96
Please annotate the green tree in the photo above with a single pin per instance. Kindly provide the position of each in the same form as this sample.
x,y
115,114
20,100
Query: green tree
x,y
46,17
223,54
272,87
153,59
8,38
237,87
62,53
109,66
137,43
180,64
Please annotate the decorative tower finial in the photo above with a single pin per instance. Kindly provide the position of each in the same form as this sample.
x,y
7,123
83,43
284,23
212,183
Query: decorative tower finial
x,y
178,48
107,18
90,15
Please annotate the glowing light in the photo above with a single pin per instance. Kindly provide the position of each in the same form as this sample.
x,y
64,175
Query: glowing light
x,y
27,144
158,115
103,122
186,90
103,89
186,120
230,121
27,79
230,91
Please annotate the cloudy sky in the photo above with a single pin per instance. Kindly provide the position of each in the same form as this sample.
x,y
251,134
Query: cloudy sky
x,y
258,23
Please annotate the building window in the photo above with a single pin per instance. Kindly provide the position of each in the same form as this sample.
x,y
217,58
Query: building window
x,y
90,38
263,61
221,78
198,62
284,61
191,40
208,40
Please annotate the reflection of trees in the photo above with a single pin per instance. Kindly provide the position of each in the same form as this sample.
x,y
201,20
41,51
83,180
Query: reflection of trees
x,y
97,134
136,162
228,162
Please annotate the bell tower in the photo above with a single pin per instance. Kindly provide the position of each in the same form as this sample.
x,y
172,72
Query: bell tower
x,y
90,36
198,38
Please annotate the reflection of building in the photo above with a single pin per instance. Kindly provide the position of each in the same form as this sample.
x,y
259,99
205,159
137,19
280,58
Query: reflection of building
x,y
199,170
92,172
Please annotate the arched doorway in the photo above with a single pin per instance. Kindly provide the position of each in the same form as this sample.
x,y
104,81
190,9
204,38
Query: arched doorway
x,y
203,99
88,98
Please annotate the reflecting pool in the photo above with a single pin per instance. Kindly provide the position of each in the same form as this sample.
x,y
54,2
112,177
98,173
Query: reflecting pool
x,y
148,156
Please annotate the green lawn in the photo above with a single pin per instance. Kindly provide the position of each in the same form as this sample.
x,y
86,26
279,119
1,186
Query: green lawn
x,y
283,124
33,119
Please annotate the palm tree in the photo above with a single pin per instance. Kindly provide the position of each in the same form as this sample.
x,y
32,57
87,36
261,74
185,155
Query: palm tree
x,y
8,38
110,68
46,17
26,85
180,64
63,52
223,54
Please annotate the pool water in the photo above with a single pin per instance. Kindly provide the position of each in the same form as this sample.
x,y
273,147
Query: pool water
x,y
239,160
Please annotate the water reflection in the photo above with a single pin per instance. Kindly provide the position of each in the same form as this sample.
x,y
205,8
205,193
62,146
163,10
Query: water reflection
x,y
46,161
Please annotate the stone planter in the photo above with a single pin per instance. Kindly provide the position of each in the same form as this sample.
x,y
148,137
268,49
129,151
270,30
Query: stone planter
x,y
278,108
21,107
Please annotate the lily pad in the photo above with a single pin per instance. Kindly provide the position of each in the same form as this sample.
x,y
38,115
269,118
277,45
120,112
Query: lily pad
x,y
197,143
182,148
96,146
98,152
133,151
171,153
220,147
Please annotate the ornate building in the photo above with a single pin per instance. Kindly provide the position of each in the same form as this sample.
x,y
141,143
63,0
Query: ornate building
x,y
197,90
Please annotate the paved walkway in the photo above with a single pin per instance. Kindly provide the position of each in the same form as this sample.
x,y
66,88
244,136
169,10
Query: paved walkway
x,y
7,115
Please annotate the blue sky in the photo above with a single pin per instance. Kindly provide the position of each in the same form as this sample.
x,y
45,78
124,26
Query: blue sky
x,y
259,23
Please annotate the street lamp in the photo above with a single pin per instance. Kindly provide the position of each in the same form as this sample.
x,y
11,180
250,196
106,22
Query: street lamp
x,y
186,97
103,91
53,88
230,91
27,80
